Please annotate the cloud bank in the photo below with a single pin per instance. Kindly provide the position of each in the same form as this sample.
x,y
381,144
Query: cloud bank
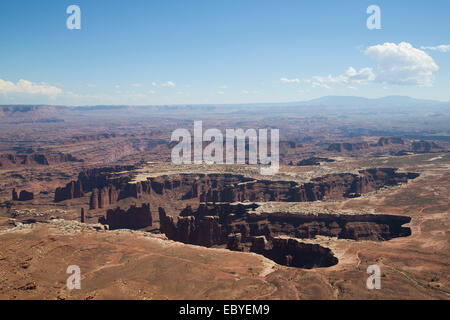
x,y
27,87
441,48
402,64
286,80
396,64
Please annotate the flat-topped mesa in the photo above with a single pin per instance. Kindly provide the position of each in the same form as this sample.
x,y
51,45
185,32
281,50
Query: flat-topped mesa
x,y
341,147
91,179
425,147
347,146
32,159
312,161
385,141
375,227
133,218
226,187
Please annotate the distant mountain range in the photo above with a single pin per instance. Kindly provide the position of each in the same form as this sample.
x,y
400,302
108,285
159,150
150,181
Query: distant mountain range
x,y
324,101
325,106
352,101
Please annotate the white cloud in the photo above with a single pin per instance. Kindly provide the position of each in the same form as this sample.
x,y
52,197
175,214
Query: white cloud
x,y
351,76
168,84
154,84
152,91
245,91
28,87
286,80
220,92
320,82
398,64
402,64
362,76
136,85
223,87
441,48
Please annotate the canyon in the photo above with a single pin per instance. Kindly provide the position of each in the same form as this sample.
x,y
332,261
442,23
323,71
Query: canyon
x,y
234,226
107,188
95,186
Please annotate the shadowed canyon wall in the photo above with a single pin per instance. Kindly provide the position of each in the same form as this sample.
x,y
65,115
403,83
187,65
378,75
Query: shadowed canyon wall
x,y
226,187
237,228
133,218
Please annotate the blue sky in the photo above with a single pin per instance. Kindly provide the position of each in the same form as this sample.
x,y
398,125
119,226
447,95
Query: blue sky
x,y
209,51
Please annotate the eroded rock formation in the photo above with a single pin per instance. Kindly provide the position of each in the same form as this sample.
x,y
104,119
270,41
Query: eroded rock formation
x,y
70,191
133,218
293,253
23,195
346,146
425,146
237,228
14,195
313,161
384,141
11,160
215,224
97,178
108,188
103,198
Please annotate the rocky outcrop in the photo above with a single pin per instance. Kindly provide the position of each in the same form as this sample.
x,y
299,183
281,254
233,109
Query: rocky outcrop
x,y
259,244
20,114
376,227
346,146
313,161
97,178
425,146
215,188
293,253
358,146
25,195
205,231
93,201
236,226
133,218
385,141
103,198
43,159
255,236
22,196
234,242
70,191
14,195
